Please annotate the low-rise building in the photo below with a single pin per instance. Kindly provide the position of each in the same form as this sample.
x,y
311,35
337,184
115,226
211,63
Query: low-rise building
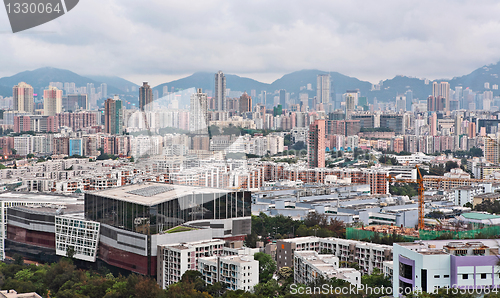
x,y
388,269
174,260
14,294
367,255
491,197
309,265
240,272
428,265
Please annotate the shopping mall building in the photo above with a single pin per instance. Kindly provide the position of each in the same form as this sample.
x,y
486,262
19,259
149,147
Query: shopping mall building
x,y
124,226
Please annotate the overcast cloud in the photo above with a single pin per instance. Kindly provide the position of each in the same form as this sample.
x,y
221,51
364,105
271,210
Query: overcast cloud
x,y
162,40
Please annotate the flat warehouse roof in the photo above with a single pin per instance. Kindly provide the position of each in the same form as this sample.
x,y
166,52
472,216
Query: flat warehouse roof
x,y
153,193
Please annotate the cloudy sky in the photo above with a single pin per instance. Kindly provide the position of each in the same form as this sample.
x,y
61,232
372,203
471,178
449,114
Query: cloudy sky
x,y
162,40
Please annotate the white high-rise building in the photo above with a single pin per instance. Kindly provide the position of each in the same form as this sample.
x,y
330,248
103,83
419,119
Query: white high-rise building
x,y
23,145
198,115
23,98
442,89
220,91
52,101
323,89
104,90
400,103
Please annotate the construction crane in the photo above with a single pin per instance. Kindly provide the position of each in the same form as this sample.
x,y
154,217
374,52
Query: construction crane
x,y
420,181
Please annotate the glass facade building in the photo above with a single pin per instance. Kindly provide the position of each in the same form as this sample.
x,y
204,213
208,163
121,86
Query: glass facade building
x,y
150,219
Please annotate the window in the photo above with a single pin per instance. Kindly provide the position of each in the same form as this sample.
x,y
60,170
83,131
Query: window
x,y
446,276
483,275
465,276
436,276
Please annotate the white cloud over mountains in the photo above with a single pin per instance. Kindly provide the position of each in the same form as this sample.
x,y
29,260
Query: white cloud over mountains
x,y
159,40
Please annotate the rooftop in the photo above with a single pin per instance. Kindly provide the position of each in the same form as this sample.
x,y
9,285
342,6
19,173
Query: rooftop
x,y
479,216
437,246
194,244
153,193
53,209
40,197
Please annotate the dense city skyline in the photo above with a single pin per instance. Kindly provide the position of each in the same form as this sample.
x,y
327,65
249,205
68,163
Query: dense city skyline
x,y
220,149
261,41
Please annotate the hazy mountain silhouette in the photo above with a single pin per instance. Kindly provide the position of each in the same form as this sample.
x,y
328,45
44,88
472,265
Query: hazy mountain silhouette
x,y
294,83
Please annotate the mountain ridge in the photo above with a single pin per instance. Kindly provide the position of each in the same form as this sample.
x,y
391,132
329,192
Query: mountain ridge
x,y
293,82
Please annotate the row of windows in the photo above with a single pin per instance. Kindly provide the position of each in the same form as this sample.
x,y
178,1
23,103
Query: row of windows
x,y
466,276
78,250
77,224
157,218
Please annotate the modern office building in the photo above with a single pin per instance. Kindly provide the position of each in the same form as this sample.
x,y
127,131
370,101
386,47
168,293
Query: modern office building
x,y
323,89
198,113
220,91
310,265
394,122
432,264
282,98
145,98
52,101
74,102
75,147
134,219
238,272
23,100
113,116
366,120
316,144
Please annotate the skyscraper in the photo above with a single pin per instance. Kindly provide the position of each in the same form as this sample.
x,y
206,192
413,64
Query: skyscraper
x,y
113,116
283,98
409,100
104,90
220,91
400,103
263,98
323,89
23,98
458,124
245,103
350,102
459,96
433,124
145,98
52,101
316,144
442,89
198,113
